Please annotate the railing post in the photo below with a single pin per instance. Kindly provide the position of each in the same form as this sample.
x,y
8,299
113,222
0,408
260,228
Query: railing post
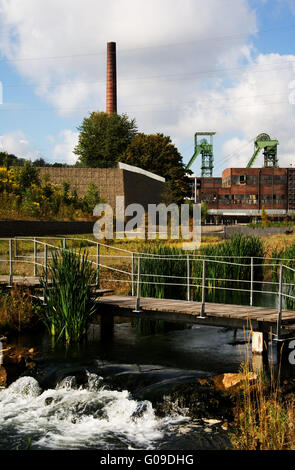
x,y
188,293
45,270
35,258
64,243
280,304
203,313
97,265
137,307
132,275
15,247
252,282
10,263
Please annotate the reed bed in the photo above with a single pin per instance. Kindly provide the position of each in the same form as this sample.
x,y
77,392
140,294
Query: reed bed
x,y
164,275
68,301
287,256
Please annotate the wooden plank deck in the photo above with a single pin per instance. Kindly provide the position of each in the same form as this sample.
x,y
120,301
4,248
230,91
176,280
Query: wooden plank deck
x,y
34,282
228,315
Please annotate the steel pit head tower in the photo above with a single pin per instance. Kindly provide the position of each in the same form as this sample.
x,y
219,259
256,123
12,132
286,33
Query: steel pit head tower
x,y
111,79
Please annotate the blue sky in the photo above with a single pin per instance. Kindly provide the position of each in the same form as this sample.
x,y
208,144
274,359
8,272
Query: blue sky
x,y
183,66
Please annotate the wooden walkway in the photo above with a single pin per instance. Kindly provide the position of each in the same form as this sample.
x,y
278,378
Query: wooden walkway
x,y
29,281
34,283
225,315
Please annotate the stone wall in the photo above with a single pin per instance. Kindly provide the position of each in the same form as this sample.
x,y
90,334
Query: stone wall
x,y
111,182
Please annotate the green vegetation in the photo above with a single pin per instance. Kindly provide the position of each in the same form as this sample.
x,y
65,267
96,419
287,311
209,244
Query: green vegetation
x,y
237,250
23,195
157,154
68,299
287,222
103,138
288,254
8,160
265,222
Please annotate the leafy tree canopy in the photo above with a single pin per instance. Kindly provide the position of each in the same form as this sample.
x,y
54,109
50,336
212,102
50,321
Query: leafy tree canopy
x,y
103,138
156,153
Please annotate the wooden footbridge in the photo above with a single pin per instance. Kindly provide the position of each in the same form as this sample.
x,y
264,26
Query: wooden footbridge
x,y
127,266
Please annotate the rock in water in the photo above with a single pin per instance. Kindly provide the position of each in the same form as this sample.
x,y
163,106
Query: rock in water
x,y
3,376
233,381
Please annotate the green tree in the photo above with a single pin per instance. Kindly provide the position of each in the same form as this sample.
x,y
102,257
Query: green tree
x,y
265,222
204,212
27,176
91,198
156,153
103,138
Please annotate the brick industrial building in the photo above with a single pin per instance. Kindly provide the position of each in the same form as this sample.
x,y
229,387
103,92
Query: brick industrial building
x,y
241,193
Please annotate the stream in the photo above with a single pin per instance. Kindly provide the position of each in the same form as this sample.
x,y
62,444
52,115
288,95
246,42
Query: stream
x,y
99,395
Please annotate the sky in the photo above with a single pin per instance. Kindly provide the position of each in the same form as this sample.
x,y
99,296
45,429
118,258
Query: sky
x,y
226,66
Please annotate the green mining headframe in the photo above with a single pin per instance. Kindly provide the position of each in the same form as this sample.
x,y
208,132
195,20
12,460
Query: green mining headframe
x,y
263,141
205,148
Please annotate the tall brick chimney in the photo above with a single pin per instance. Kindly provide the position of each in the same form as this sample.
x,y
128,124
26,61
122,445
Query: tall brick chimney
x,y
111,78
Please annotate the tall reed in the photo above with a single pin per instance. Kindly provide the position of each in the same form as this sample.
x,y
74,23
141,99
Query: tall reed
x,y
264,418
68,303
286,256
164,269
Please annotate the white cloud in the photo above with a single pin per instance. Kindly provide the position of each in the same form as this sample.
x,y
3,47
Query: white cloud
x,y
63,148
19,144
204,36
258,101
188,94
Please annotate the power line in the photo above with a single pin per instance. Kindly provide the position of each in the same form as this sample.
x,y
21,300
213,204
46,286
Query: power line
x,y
84,108
153,46
192,75
231,155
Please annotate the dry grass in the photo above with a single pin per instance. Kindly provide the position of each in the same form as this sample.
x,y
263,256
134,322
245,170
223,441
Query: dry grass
x,y
277,242
16,309
264,418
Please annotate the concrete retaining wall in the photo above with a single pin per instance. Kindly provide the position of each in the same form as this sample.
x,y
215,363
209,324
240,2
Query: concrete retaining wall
x,y
229,231
25,228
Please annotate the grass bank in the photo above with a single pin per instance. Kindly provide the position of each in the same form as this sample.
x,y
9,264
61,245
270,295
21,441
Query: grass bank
x,y
264,417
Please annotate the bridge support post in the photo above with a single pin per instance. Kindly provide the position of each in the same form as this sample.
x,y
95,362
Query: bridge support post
x,y
106,326
259,342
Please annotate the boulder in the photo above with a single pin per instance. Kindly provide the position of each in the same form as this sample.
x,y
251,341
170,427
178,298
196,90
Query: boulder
x,y
3,376
232,382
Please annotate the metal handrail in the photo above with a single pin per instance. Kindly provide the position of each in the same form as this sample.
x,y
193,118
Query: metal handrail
x,y
137,277
155,255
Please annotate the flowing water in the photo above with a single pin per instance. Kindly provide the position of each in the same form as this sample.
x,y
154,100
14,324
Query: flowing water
x,y
99,394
